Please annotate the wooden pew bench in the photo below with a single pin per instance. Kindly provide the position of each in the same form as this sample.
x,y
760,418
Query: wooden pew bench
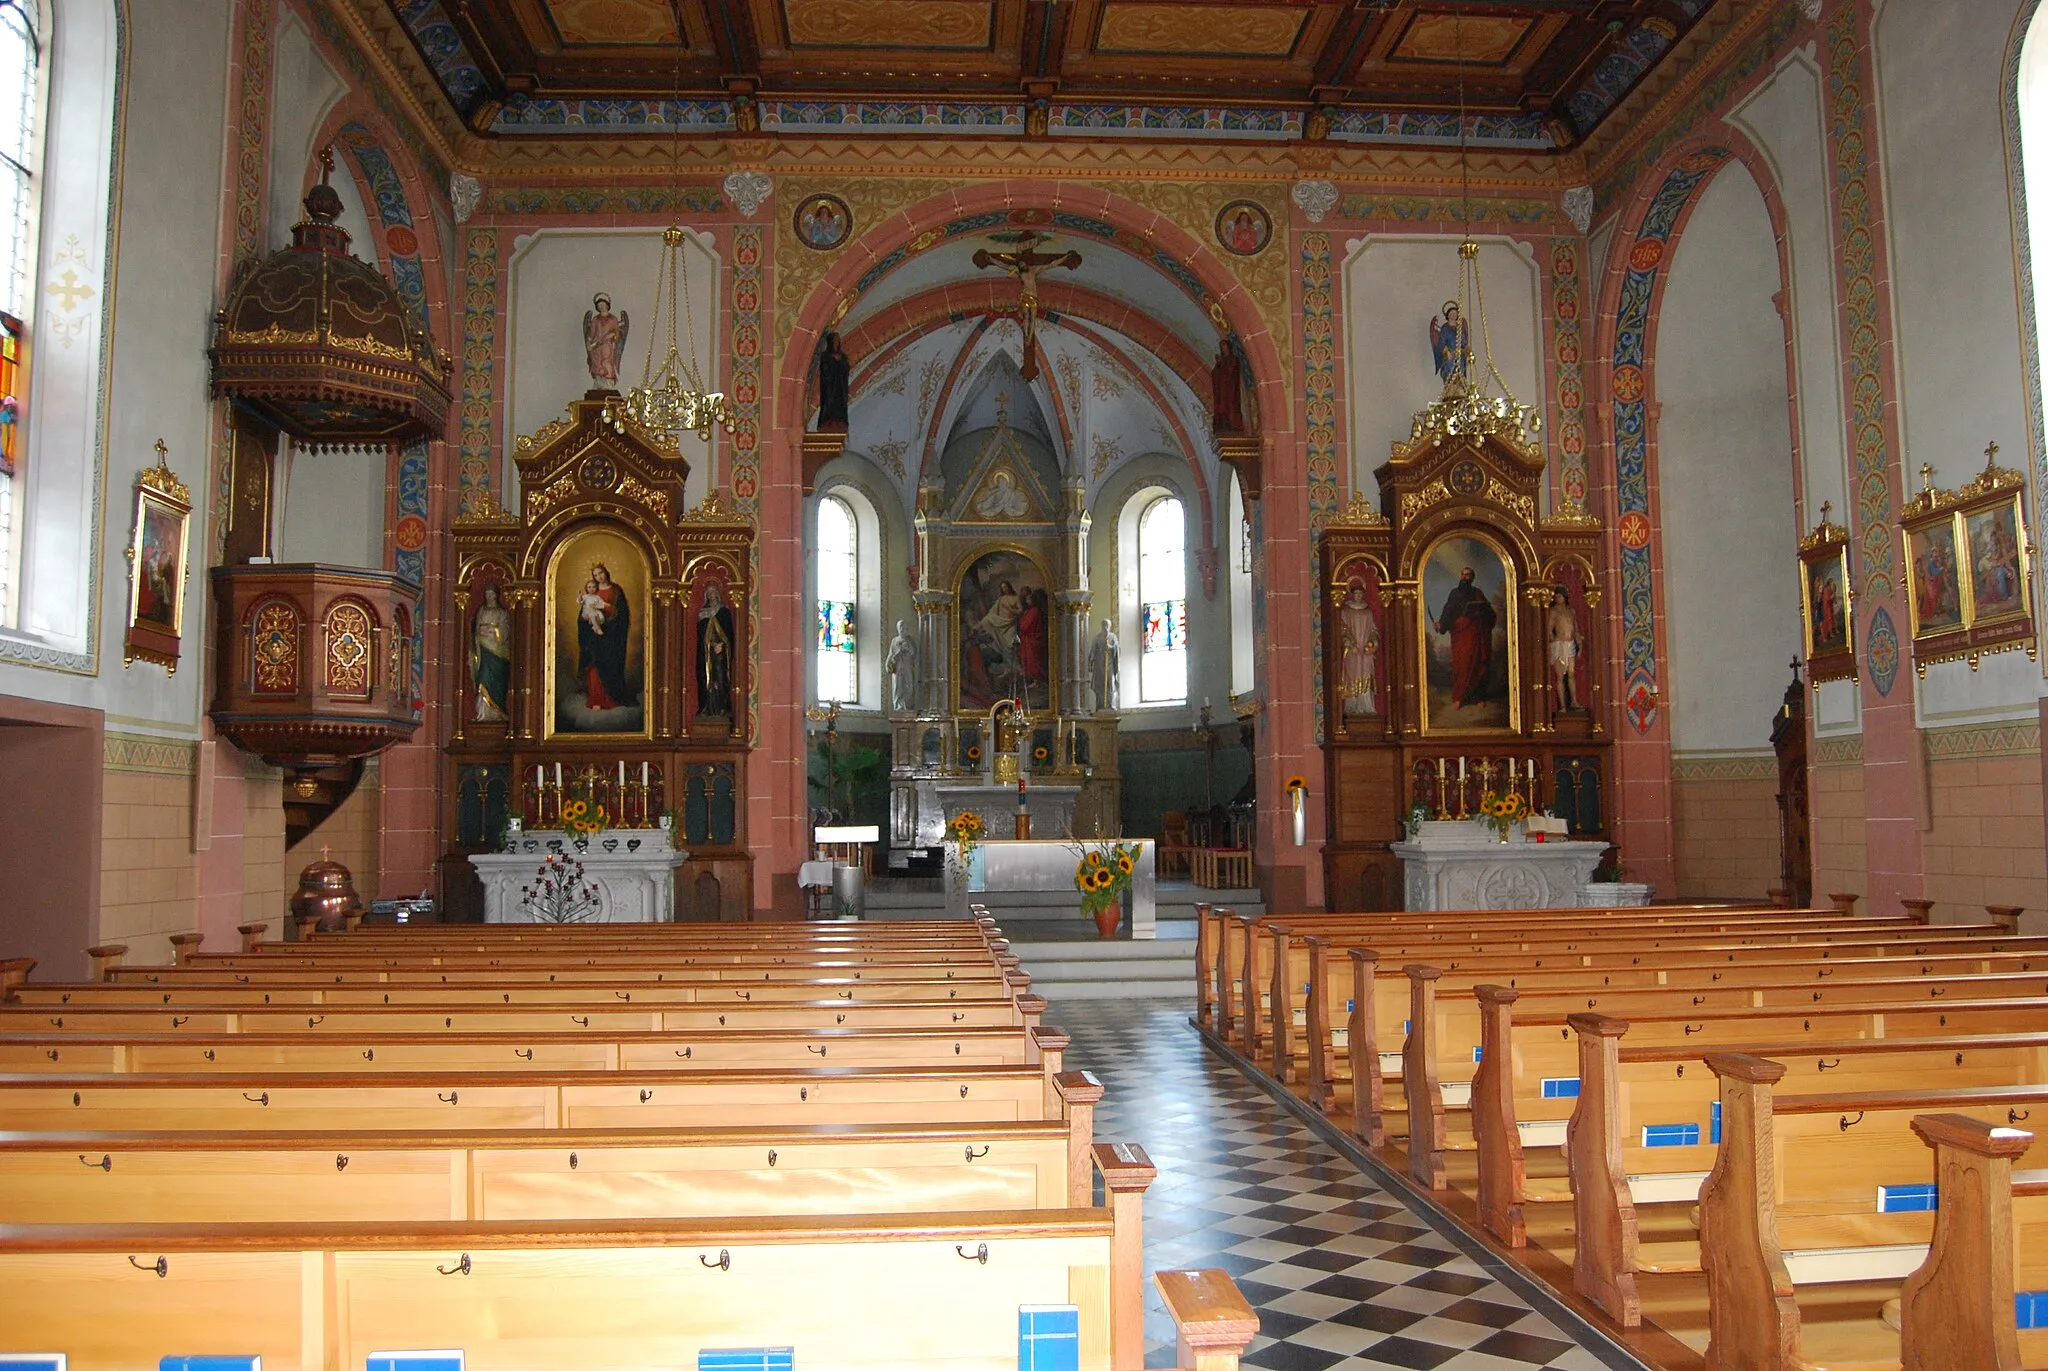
x,y
483,989
728,1048
922,1291
513,1175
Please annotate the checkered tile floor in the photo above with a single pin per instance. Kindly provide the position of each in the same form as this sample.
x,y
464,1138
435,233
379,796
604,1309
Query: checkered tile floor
x,y
1342,1273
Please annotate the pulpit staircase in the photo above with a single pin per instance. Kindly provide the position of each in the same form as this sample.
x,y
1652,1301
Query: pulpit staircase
x,y
311,795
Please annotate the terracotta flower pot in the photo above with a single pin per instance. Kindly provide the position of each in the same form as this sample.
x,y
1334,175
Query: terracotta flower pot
x,y
1107,920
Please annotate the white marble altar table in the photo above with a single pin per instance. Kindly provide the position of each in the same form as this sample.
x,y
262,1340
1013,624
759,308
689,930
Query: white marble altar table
x,y
1460,864
1000,865
635,876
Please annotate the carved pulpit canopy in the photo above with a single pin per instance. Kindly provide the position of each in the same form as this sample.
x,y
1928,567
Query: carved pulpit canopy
x,y
322,346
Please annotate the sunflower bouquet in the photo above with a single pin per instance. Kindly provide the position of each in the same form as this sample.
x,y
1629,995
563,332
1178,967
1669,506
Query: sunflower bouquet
x,y
1501,810
964,831
584,820
1103,875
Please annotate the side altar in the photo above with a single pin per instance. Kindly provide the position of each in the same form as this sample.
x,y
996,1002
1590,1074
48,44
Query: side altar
x,y
1460,864
632,875
605,631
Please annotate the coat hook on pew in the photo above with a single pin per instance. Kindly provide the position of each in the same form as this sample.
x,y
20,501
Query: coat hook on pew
x,y
2018,1115
972,1154
724,1262
979,1254
524,1054
1691,1029
340,1161
161,1266
1845,1123
1826,1065
105,1163
460,1268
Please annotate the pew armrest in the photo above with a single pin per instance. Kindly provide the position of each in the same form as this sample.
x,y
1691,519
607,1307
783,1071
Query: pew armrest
x,y
13,972
1212,1322
1078,1087
1124,1167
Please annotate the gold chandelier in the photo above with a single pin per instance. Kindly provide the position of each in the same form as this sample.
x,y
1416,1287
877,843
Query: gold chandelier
x,y
1466,408
672,397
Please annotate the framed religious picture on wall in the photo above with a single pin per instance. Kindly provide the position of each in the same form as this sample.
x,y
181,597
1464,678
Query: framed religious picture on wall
x,y
597,611
1471,672
1826,602
1969,567
156,565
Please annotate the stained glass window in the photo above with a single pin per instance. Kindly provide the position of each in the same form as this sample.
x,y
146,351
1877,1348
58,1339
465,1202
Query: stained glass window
x,y
1163,603
21,55
838,569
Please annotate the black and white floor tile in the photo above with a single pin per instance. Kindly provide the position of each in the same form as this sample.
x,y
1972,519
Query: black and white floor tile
x,y
1344,1275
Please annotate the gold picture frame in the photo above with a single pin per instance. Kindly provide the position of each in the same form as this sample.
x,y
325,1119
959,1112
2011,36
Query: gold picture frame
x,y
599,581
157,568
1486,665
1969,567
1827,602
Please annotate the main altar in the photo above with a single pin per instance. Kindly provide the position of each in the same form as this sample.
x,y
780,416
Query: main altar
x,y
605,632
1004,701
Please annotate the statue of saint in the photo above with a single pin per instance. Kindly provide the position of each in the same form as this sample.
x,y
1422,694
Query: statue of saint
x,y
834,368
490,664
1107,666
1226,391
604,338
714,655
1563,627
1361,650
901,664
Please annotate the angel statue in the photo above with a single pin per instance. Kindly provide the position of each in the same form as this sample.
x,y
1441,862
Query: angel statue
x,y
604,338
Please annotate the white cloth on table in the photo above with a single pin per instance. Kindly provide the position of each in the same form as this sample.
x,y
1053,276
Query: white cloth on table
x,y
814,875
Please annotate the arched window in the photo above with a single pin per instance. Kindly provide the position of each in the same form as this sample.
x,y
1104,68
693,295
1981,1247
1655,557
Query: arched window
x,y
1163,603
21,106
1243,678
837,560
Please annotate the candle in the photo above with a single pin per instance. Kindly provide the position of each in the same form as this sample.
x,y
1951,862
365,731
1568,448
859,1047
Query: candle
x,y
622,773
1300,798
1461,769
1532,771
538,783
558,775
643,775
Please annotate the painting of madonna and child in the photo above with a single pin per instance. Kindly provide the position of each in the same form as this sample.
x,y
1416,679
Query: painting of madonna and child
x,y
597,626
1468,636
1005,633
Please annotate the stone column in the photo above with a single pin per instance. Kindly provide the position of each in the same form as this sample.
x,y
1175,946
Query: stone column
x,y
935,650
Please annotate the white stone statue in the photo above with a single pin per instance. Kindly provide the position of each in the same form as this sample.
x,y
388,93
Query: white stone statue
x,y
902,667
1105,666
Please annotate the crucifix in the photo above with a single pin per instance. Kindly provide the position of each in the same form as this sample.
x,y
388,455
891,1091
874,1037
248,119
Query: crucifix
x,y
1024,263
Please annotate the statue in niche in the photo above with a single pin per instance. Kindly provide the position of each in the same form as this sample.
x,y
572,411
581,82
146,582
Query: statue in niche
x,y
1563,632
834,371
1361,649
901,664
1107,667
604,338
491,657
714,655
1226,390
1448,342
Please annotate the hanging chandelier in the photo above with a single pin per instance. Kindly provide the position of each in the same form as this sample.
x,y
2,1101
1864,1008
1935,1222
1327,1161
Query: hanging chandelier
x,y
1467,407
672,397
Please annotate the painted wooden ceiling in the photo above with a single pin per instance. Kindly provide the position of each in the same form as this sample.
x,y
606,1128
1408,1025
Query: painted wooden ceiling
x,y
1534,72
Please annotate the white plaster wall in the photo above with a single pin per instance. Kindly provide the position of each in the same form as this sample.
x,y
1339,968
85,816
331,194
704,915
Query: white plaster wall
x,y
303,89
161,279
1940,78
1393,284
1724,469
551,278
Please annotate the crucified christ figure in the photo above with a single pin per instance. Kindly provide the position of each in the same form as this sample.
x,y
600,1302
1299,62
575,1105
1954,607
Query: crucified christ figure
x,y
1024,263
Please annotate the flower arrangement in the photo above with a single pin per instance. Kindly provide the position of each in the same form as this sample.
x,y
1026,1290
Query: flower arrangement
x,y
1041,754
964,831
584,820
560,894
1102,875
974,752
1500,810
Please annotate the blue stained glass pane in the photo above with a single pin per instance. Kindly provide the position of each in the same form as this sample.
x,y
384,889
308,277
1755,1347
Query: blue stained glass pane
x,y
835,626
1166,626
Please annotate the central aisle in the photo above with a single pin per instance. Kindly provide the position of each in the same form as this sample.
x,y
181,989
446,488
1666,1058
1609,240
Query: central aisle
x,y
1342,1273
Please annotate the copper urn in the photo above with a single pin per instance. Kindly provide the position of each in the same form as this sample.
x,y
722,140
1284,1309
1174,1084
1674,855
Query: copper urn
x,y
327,896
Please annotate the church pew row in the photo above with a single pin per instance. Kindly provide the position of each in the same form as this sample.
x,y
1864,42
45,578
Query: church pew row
x,y
486,988
303,1102
909,1291
581,1050
511,1175
1222,934
1244,1015
455,1020
1326,997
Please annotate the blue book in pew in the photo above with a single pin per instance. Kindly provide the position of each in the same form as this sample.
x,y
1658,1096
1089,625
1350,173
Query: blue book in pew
x,y
747,1359
414,1361
215,1363
32,1361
